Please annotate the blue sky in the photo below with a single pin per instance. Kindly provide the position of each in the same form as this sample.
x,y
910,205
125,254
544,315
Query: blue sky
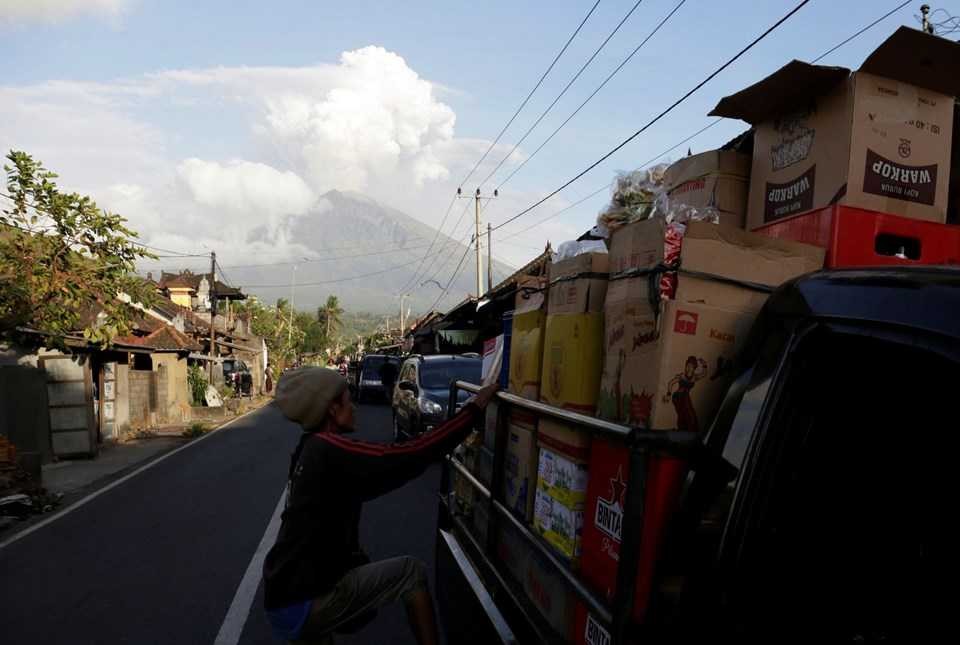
x,y
480,59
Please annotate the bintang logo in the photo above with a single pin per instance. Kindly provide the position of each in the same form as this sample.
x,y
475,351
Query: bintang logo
x,y
595,633
609,515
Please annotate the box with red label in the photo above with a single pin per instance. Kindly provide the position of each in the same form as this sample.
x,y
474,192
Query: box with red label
x,y
717,179
667,362
669,368
604,515
877,139
545,588
854,237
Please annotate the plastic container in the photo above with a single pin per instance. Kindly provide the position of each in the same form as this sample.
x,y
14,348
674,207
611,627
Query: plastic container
x,y
854,237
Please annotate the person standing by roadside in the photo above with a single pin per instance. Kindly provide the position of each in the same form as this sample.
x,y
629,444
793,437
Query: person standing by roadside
x,y
317,580
388,378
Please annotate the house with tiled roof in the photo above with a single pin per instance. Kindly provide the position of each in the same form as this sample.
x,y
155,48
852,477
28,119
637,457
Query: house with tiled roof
x,y
193,290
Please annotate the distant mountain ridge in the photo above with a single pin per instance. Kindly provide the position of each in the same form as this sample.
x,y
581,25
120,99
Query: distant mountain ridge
x,y
354,231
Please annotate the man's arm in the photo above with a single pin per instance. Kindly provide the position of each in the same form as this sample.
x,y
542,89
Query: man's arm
x,y
377,468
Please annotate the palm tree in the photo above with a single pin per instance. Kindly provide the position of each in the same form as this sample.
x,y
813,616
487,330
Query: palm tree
x,y
329,314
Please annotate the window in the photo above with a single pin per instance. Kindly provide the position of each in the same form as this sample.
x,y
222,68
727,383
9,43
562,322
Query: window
x,y
849,525
435,375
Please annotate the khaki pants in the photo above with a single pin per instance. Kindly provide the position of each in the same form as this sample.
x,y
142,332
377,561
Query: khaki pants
x,y
359,592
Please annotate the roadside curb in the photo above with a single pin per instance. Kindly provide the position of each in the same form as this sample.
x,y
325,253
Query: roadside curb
x,y
27,530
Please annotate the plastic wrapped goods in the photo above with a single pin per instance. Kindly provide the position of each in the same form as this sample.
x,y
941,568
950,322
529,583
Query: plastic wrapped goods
x,y
634,197
574,248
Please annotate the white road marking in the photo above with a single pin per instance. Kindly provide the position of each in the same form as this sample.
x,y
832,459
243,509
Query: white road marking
x,y
236,618
97,493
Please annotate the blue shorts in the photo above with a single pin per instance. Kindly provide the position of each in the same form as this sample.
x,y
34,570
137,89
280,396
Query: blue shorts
x,y
288,621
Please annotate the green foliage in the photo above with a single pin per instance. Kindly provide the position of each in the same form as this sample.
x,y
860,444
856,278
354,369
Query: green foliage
x,y
62,256
329,315
198,384
194,430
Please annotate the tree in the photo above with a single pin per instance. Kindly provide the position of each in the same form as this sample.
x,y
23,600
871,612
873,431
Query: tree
x,y
314,336
61,256
329,315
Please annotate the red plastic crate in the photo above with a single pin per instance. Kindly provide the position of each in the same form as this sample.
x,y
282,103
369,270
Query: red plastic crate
x,y
855,237
603,518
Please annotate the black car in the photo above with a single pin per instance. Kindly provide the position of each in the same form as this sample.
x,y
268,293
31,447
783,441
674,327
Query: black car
x,y
423,389
368,376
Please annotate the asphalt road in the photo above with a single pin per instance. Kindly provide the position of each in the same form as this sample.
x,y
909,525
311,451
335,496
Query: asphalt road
x,y
158,559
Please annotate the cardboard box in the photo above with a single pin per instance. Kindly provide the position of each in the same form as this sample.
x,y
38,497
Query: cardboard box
x,y
878,139
562,478
480,522
490,420
574,332
543,585
520,471
484,466
578,284
572,357
669,371
564,439
559,525
526,353
717,178
708,250
531,294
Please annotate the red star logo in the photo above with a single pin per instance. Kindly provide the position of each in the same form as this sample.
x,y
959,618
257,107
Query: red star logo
x,y
617,487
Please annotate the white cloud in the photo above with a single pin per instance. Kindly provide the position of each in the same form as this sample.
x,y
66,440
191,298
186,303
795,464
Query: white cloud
x,y
154,147
28,11
246,188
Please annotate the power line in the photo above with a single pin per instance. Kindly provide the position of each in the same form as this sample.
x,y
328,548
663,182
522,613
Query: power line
x,y
592,94
535,88
662,114
872,24
609,184
436,235
327,259
334,281
453,277
714,122
563,91
417,275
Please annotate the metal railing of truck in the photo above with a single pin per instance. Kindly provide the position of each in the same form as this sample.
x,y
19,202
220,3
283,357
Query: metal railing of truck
x,y
640,444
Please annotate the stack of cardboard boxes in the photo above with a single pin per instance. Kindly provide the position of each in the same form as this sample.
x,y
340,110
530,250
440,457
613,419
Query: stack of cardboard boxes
x,y
525,368
572,355
857,160
647,334
668,362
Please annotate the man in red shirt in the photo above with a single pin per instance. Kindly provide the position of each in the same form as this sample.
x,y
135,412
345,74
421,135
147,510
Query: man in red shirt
x,y
317,579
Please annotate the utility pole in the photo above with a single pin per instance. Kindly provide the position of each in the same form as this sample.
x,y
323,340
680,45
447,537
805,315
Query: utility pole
x,y
403,322
489,257
293,293
477,197
213,313
925,13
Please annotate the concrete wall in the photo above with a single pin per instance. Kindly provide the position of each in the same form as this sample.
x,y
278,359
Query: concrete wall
x,y
142,399
121,406
173,394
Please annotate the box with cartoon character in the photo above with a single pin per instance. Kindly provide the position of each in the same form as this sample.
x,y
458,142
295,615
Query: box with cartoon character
x,y
668,352
668,369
